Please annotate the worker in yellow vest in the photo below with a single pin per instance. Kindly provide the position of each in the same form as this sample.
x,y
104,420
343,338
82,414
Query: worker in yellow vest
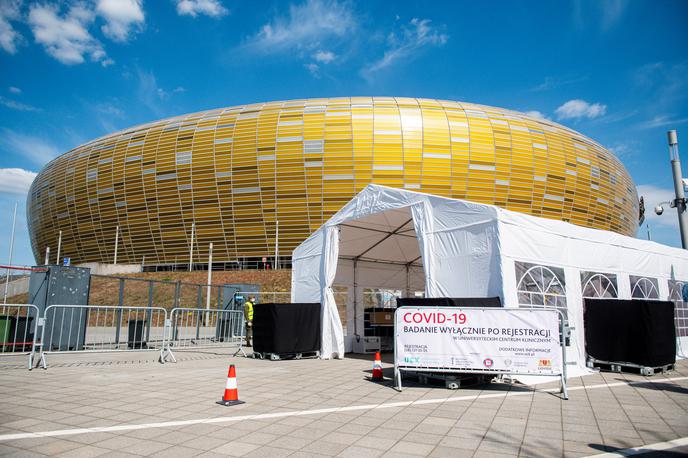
x,y
248,316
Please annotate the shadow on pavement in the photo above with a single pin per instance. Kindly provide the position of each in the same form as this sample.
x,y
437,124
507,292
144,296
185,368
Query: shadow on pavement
x,y
645,453
661,386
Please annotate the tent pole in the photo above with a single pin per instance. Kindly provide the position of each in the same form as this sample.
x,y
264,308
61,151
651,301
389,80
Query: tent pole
x,y
355,302
408,281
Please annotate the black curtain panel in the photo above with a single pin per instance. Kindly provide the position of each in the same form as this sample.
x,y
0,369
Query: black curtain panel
x,y
639,332
286,328
449,301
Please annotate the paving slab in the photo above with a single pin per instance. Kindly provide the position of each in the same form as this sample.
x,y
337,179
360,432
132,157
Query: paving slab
x,y
129,405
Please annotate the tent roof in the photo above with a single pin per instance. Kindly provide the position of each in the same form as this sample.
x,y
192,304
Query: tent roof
x,y
375,226
388,237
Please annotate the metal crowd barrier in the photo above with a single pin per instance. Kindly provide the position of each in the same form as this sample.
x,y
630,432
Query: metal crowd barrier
x,y
18,330
193,328
93,328
97,328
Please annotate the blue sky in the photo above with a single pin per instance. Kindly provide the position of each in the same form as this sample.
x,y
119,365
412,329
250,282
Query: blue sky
x,y
73,71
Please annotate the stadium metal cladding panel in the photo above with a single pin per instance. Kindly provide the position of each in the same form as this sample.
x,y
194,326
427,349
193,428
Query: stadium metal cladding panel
x,y
235,171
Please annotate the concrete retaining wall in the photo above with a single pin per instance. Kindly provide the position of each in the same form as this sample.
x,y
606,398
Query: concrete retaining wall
x,y
18,286
98,268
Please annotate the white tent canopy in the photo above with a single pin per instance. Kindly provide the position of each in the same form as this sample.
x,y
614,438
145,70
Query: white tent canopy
x,y
397,239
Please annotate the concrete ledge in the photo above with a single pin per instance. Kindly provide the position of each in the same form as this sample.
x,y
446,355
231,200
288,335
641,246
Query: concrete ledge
x,y
99,268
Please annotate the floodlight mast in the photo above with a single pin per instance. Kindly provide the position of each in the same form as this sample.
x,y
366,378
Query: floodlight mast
x,y
680,201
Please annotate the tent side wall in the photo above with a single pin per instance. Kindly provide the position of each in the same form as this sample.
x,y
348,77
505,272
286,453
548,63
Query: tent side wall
x,y
463,261
306,267
587,263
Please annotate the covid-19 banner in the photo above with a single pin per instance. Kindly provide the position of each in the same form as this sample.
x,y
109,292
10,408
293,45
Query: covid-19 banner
x,y
499,339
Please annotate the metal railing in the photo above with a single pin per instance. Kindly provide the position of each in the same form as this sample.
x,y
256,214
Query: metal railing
x,y
18,330
255,263
265,297
193,328
94,328
166,294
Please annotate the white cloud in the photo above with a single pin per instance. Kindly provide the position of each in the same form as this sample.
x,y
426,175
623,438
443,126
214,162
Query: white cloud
x,y
122,17
612,10
664,87
603,13
66,37
535,114
662,121
9,38
577,109
619,116
653,196
107,114
14,90
32,148
324,57
193,8
417,35
646,76
109,109
552,82
313,68
307,25
621,150
16,181
151,94
17,105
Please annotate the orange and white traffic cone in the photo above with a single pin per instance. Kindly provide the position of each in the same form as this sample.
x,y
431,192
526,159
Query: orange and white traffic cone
x,y
377,368
231,396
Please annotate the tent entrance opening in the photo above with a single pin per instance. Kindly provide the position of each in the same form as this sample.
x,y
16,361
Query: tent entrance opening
x,y
379,260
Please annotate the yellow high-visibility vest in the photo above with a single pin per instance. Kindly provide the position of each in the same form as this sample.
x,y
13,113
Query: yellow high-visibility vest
x,y
248,311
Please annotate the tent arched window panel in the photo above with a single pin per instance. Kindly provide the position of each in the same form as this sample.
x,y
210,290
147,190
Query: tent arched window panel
x,y
541,286
599,285
644,287
681,307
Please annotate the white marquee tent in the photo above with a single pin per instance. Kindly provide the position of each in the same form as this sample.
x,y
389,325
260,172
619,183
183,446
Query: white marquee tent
x,y
409,241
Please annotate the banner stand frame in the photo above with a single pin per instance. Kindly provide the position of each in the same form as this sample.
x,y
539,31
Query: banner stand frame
x,y
563,329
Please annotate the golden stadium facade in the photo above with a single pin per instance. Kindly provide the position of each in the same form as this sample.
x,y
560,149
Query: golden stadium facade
x,y
234,172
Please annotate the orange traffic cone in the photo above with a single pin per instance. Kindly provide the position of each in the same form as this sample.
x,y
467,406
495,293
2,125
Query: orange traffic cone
x,y
377,368
231,396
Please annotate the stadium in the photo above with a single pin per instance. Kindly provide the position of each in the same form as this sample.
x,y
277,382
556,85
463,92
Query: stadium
x,y
231,176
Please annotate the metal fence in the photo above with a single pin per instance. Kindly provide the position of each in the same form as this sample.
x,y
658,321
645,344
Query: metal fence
x,y
256,263
95,328
18,330
265,297
134,314
166,294
193,328
170,294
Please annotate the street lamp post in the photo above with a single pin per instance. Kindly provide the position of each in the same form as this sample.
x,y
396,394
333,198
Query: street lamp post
x,y
680,201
